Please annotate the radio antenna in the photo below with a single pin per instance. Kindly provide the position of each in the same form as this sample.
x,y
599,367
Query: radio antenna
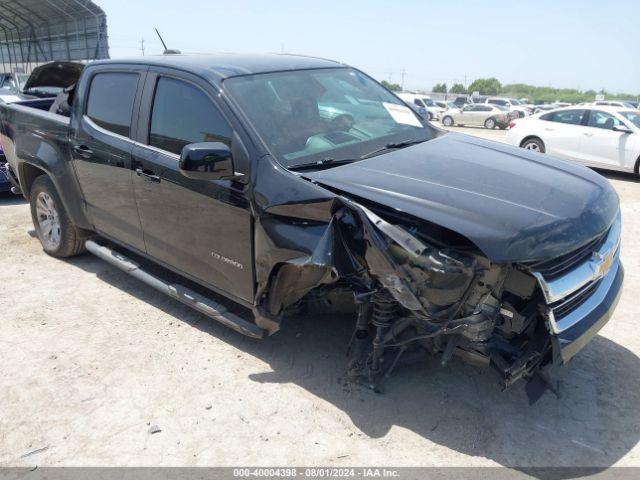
x,y
167,51
160,37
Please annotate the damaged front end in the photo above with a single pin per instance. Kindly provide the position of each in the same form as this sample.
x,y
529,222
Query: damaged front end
x,y
421,290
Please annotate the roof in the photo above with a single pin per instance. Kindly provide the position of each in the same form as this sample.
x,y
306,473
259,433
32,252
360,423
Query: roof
x,y
218,66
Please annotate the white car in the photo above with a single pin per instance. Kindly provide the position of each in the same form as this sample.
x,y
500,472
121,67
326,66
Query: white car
x,y
596,136
445,105
479,114
512,104
433,110
613,103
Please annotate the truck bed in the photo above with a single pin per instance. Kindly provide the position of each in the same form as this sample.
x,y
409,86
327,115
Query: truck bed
x,y
22,121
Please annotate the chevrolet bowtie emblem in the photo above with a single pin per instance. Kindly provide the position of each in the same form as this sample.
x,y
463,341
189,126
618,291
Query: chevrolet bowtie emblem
x,y
602,262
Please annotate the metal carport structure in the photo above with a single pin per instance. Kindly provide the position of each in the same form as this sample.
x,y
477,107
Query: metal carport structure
x,y
33,32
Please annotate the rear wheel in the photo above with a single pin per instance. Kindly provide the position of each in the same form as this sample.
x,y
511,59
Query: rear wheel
x,y
490,123
55,230
534,144
447,121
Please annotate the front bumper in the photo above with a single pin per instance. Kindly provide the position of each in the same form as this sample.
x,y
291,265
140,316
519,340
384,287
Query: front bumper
x,y
590,317
581,301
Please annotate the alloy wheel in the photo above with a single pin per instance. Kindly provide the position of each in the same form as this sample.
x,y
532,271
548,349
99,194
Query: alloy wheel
x,y
48,221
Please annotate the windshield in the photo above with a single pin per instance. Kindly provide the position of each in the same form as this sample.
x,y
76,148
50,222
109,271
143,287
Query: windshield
x,y
312,115
428,102
633,117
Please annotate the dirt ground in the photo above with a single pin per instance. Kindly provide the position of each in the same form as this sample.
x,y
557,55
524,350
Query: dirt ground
x,y
93,361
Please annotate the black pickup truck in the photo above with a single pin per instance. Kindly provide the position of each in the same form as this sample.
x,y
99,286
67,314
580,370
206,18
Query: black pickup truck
x,y
289,184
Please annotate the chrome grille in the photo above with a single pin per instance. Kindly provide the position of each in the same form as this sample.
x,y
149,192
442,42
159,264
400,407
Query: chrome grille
x,y
566,306
570,283
556,267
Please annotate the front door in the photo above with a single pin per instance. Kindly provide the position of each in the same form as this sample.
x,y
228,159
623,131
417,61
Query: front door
x,y
101,148
201,228
468,115
600,145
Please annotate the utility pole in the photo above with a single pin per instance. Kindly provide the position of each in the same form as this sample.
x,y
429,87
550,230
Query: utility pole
x,y
404,72
142,46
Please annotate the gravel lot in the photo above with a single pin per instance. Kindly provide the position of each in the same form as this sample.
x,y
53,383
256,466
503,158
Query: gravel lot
x,y
92,360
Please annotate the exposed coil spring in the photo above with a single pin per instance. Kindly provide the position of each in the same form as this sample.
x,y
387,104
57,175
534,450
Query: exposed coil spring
x,y
384,309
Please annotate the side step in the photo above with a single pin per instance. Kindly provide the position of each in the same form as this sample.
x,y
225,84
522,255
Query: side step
x,y
207,306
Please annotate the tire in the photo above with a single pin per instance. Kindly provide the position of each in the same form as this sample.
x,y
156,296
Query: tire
x,y
447,121
534,144
430,116
58,235
490,123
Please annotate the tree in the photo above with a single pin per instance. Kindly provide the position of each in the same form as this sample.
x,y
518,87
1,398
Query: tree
x,y
439,88
394,87
457,88
486,86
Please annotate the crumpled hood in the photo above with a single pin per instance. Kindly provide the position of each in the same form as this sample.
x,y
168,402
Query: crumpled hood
x,y
515,205
54,74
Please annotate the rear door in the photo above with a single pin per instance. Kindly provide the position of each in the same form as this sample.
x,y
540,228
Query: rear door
x,y
561,131
101,144
600,145
203,229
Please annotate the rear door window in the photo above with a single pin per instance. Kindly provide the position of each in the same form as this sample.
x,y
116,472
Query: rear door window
x,y
184,114
570,117
110,102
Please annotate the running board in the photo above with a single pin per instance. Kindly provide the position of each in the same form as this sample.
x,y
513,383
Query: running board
x,y
204,305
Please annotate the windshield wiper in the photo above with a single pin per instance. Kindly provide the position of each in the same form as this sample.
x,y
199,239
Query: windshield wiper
x,y
392,146
322,163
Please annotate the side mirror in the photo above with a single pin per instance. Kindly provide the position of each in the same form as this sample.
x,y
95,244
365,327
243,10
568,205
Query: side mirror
x,y
621,129
207,161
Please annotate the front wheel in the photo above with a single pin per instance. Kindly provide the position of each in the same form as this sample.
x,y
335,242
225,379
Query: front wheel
x,y
534,144
447,121
55,230
490,123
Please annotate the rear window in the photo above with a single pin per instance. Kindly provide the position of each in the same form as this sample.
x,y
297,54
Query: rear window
x,y
571,117
110,102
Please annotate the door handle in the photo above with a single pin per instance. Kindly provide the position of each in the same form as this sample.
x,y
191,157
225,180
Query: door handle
x,y
549,129
147,174
83,151
587,134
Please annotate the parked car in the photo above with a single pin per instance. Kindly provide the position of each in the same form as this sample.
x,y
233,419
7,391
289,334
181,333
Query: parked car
x,y
597,136
5,183
445,105
489,116
544,107
613,103
289,184
461,101
12,82
512,105
434,112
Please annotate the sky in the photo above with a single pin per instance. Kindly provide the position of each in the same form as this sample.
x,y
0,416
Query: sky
x,y
562,43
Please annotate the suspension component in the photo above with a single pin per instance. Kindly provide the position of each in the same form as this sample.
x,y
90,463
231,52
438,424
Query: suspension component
x,y
385,310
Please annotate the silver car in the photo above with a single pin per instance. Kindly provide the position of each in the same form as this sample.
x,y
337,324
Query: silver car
x,y
481,114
